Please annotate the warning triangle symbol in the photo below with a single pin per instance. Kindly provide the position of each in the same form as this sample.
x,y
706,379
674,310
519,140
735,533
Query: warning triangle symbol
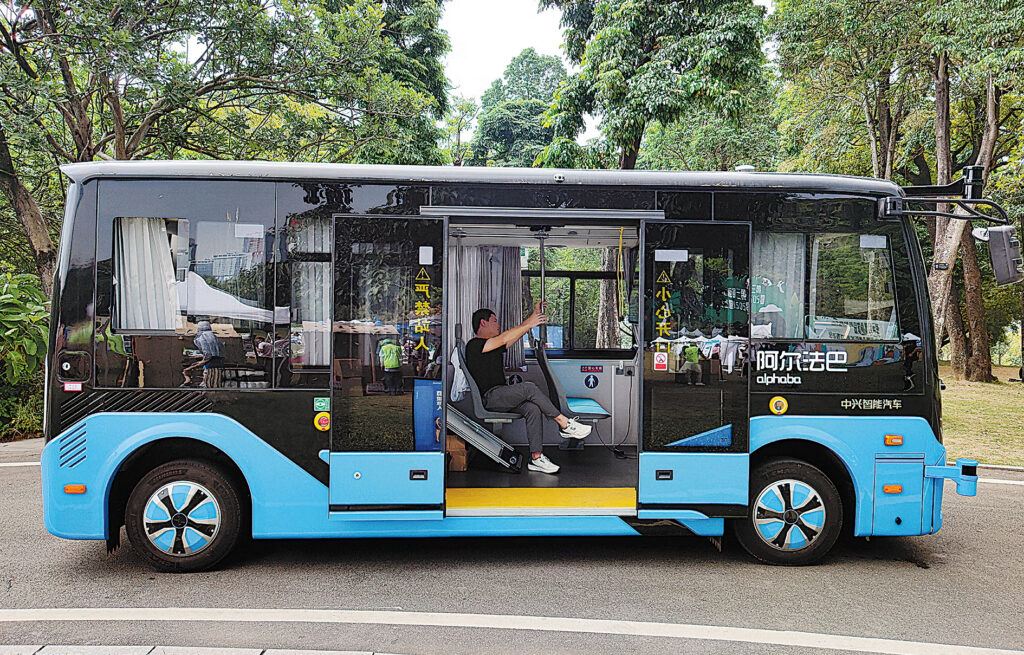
x,y
663,278
422,276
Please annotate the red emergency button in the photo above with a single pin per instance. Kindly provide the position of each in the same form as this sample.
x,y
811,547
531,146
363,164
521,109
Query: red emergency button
x,y
322,421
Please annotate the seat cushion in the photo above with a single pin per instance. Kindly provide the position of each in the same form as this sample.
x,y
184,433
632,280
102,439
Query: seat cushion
x,y
586,406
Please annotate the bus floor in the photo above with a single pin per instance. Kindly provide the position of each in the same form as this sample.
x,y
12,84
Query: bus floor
x,y
594,466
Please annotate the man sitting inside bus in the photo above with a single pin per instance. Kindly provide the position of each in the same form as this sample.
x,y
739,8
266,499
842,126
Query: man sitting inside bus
x,y
485,361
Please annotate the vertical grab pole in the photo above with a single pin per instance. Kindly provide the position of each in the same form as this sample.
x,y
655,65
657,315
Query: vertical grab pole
x,y
543,326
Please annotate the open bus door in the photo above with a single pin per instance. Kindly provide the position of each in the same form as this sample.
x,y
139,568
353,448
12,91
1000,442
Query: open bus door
x,y
694,328
387,442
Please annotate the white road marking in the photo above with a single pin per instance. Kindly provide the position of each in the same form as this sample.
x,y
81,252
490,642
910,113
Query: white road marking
x,y
502,622
1019,483
13,464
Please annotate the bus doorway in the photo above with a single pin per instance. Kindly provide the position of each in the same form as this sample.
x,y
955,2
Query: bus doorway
x,y
695,379
584,360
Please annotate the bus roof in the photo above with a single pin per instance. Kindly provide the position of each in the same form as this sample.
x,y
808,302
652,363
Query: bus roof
x,y
263,170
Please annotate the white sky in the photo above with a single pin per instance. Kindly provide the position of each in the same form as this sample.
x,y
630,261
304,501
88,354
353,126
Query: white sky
x,y
487,34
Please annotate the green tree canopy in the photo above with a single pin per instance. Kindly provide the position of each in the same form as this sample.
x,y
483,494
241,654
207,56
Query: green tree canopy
x,y
646,60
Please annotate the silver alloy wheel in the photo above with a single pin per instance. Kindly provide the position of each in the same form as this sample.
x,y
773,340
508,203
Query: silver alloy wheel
x,y
789,514
182,518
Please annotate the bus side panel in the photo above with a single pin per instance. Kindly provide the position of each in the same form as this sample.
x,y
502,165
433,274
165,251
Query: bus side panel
x,y
288,500
859,441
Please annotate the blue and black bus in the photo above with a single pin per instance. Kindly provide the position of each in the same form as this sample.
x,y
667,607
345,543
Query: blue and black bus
x,y
753,352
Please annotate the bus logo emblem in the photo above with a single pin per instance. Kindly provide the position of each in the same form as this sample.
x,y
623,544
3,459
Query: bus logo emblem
x,y
778,405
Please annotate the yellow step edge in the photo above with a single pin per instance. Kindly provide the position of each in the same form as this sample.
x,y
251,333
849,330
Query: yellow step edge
x,y
476,498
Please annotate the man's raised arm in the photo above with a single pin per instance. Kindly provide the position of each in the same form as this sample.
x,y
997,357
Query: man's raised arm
x,y
511,335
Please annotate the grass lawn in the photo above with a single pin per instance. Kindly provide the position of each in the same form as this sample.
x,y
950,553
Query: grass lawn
x,y
984,421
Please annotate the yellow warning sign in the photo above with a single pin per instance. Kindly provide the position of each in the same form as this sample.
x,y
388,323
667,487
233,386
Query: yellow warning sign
x,y
423,275
663,278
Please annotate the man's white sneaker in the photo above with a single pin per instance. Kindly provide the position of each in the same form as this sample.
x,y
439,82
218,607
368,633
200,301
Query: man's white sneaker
x,y
575,430
542,464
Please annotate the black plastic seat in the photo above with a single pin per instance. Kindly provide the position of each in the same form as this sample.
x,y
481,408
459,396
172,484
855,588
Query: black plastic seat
x,y
473,406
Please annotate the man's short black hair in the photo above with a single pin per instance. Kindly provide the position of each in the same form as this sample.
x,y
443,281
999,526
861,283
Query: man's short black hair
x,y
479,316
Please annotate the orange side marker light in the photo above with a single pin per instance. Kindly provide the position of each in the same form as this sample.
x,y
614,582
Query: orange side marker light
x,y
893,440
892,488
74,488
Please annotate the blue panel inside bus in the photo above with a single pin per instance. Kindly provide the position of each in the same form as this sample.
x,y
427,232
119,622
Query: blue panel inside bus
x,y
427,401
585,406
387,478
898,512
695,478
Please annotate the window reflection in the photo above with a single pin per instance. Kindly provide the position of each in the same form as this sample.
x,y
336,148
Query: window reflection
x,y
190,304
388,302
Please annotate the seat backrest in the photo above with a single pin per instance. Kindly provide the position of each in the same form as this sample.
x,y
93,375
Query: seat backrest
x,y
555,391
477,409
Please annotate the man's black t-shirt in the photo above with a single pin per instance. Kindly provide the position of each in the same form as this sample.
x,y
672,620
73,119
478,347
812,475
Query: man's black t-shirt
x,y
487,368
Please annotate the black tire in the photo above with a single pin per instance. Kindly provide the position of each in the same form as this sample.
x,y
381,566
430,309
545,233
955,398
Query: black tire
x,y
788,535
195,539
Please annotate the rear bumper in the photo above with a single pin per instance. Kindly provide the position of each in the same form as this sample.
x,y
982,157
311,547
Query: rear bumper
x,y
964,473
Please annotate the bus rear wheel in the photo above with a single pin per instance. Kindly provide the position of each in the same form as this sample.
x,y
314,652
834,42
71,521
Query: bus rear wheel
x,y
796,513
184,516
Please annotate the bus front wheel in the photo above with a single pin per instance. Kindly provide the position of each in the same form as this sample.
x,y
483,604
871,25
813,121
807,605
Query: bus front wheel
x,y
184,516
795,513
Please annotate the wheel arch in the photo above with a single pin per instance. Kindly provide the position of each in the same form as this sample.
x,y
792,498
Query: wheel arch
x,y
822,457
151,454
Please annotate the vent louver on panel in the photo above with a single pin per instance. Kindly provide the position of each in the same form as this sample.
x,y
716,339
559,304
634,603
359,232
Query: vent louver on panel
x,y
72,448
84,404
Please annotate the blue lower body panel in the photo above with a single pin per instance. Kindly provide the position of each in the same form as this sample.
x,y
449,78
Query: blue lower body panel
x,y
694,478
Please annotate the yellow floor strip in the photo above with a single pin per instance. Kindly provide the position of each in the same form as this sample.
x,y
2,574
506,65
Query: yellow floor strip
x,y
477,498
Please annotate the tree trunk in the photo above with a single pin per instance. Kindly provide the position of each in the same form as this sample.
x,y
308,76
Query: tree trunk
x,y
950,232
607,307
631,151
31,219
870,123
979,360
958,344
943,148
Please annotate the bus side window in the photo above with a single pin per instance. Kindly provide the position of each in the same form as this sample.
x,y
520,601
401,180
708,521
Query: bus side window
x,y
189,300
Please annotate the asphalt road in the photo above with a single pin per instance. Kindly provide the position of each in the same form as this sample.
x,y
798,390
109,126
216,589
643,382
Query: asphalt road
x,y
963,586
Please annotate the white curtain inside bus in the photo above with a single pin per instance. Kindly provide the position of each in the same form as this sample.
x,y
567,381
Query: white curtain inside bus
x,y
777,285
144,280
489,276
311,292
311,298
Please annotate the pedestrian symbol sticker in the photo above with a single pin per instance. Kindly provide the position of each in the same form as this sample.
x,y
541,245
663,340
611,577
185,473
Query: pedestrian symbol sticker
x,y
660,361
515,378
590,381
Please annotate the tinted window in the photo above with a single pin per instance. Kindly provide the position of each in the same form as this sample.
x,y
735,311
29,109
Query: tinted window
x,y
186,298
851,294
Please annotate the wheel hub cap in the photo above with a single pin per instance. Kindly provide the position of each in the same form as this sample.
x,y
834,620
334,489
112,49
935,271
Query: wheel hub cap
x,y
182,518
788,515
